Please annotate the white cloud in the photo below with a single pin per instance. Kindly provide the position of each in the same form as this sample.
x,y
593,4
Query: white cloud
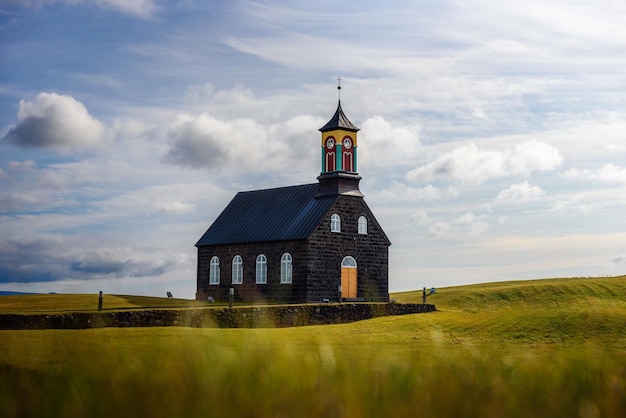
x,y
608,173
57,121
533,156
590,201
396,191
204,141
137,8
420,218
470,164
439,229
520,193
478,227
464,164
383,145
467,218
174,207
244,145
475,224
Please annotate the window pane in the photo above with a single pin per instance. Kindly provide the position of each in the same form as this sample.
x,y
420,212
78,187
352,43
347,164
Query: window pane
x,y
286,268
335,223
214,271
237,270
261,269
363,225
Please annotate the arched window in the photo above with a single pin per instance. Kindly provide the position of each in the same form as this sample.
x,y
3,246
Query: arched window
x,y
349,262
286,268
237,270
214,271
348,160
329,152
330,161
261,269
363,225
335,223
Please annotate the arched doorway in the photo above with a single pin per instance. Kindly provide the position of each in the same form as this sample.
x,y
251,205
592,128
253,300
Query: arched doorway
x,y
349,278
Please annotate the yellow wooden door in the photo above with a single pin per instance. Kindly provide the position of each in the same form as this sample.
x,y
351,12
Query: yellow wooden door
x,y
348,282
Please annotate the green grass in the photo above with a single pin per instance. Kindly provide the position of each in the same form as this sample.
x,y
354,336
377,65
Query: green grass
x,y
59,303
531,348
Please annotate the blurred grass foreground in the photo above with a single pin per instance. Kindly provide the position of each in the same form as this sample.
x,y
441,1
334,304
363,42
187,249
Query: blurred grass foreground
x,y
547,348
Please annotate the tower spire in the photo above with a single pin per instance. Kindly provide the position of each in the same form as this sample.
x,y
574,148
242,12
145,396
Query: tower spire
x,y
339,88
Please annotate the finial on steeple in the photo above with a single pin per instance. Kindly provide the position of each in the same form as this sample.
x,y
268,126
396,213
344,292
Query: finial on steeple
x,y
339,87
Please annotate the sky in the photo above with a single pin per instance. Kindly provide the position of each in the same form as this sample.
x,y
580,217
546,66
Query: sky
x,y
492,143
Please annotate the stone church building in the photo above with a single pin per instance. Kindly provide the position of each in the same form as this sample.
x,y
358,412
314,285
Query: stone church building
x,y
297,244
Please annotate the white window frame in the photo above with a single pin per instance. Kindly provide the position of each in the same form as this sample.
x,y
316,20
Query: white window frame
x,y
286,268
335,223
261,269
214,271
362,225
237,270
349,262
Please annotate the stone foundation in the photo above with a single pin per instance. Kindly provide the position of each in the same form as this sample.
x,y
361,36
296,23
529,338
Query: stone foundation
x,y
237,317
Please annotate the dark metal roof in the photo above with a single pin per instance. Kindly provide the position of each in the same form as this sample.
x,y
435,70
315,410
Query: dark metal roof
x,y
339,121
285,213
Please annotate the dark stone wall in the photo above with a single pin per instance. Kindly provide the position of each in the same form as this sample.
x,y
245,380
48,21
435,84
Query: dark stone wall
x,y
327,249
238,317
249,291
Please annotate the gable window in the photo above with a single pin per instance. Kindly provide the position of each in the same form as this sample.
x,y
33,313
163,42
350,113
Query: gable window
x,y
214,271
237,270
261,269
335,223
363,225
286,268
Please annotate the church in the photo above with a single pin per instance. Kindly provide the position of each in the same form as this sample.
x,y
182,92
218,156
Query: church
x,y
308,243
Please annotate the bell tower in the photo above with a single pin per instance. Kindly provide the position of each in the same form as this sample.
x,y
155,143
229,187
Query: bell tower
x,y
339,156
339,144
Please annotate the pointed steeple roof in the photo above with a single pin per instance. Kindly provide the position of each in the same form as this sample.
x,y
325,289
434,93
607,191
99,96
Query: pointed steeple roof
x,y
339,121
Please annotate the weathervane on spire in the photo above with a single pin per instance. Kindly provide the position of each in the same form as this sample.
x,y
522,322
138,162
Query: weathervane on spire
x,y
339,87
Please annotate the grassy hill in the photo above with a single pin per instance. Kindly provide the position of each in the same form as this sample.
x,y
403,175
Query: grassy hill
x,y
58,303
530,348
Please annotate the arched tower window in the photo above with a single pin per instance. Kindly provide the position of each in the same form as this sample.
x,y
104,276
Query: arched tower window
x,y
286,268
362,225
214,271
348,154
237,270
335,223
261,269
330,160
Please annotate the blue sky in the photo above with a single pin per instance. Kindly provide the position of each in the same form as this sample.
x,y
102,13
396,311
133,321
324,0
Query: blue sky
x,y
492,143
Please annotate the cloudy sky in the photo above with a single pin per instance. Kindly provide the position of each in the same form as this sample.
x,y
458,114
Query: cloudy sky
x,y
492,143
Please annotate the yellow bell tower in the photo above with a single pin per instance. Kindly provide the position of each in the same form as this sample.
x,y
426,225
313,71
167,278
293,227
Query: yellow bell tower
x,y
339,143
339,156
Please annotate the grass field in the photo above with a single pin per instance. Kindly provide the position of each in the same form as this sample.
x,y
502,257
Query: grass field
x,y
552,348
